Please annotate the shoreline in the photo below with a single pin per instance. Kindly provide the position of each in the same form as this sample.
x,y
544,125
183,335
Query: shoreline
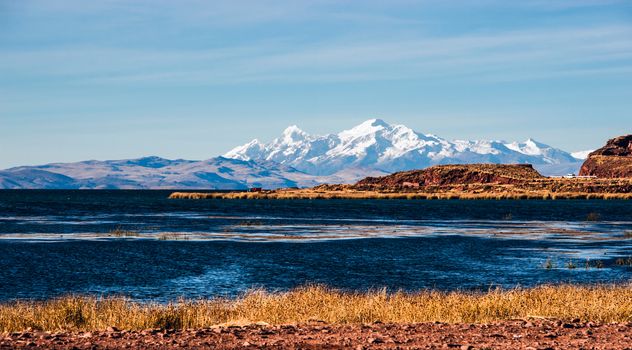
x,y
560,316
357,194
457,181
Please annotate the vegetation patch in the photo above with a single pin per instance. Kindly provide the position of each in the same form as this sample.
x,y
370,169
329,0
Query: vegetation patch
x,y
599,303
119,232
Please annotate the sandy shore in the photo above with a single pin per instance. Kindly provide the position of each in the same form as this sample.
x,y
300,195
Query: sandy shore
x,y
519,334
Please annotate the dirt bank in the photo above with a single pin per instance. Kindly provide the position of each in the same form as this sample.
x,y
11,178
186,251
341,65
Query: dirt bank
x,y
520,334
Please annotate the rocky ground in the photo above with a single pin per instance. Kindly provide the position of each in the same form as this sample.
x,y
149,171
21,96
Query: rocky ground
x,y
614,160
534,334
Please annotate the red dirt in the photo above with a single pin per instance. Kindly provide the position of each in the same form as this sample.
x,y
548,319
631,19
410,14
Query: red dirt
x,y
534,334
456,174
614,160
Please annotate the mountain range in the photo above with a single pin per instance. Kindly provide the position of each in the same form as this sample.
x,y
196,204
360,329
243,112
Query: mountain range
x,y
296,159
378,145
156,173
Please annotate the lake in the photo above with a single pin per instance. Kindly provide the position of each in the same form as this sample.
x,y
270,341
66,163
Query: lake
x,y
147,247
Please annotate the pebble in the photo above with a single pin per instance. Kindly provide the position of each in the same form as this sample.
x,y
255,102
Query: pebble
x,y
375,340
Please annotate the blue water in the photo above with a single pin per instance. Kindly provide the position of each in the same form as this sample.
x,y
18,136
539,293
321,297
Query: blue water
x,y
60,242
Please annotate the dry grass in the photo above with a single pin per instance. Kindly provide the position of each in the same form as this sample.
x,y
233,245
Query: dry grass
x,y
355,194
119,232
173,236
588,303
539,188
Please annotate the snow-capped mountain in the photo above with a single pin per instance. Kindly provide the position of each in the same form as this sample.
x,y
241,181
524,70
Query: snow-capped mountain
x,y
378,145
372,148
582,154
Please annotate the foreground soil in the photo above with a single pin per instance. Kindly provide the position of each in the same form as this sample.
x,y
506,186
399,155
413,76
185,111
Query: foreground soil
x,y
519,334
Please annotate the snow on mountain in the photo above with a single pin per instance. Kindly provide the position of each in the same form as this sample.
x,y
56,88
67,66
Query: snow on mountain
x,y
581,154
296,159
377,145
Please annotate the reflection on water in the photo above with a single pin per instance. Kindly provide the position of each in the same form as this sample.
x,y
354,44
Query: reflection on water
x,y
265,231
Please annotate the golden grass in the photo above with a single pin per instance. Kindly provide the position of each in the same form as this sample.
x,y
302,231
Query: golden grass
x,y
173,236
605,303
119,232
540,188
356,194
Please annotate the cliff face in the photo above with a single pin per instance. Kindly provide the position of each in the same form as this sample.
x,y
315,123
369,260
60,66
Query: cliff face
x,y
614,160
455,175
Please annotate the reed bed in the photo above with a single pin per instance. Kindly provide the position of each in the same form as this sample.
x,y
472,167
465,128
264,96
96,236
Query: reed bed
x,y
599,303
310,194
119,232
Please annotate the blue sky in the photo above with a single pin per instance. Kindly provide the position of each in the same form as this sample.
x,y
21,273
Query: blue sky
x,y
191,79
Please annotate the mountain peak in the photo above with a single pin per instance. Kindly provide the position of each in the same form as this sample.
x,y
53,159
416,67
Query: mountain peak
x,y
247,151
148,162
293,133
292,129
365,128
377,144
375,122
532,141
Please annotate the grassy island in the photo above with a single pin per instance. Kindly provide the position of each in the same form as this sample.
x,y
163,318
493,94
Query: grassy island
x,y
471,181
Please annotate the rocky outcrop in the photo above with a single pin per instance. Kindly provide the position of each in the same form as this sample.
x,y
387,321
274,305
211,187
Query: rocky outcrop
x,y
614,160
456,175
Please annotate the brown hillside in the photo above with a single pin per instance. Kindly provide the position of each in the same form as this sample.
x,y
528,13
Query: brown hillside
x,y
456,175
614,160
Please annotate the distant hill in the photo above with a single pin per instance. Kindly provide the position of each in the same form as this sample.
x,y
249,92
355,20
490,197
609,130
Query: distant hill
x,y
156,173
35,178
458,174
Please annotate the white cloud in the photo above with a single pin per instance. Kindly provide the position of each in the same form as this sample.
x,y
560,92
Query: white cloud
x,y
517,54
500,54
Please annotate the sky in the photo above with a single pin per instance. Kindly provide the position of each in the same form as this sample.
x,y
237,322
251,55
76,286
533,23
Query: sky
x,y
191,79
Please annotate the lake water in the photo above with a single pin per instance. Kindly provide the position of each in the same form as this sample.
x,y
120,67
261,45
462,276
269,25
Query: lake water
x,y
145,246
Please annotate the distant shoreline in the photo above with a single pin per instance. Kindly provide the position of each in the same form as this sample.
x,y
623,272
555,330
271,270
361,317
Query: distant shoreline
x,y
311,194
